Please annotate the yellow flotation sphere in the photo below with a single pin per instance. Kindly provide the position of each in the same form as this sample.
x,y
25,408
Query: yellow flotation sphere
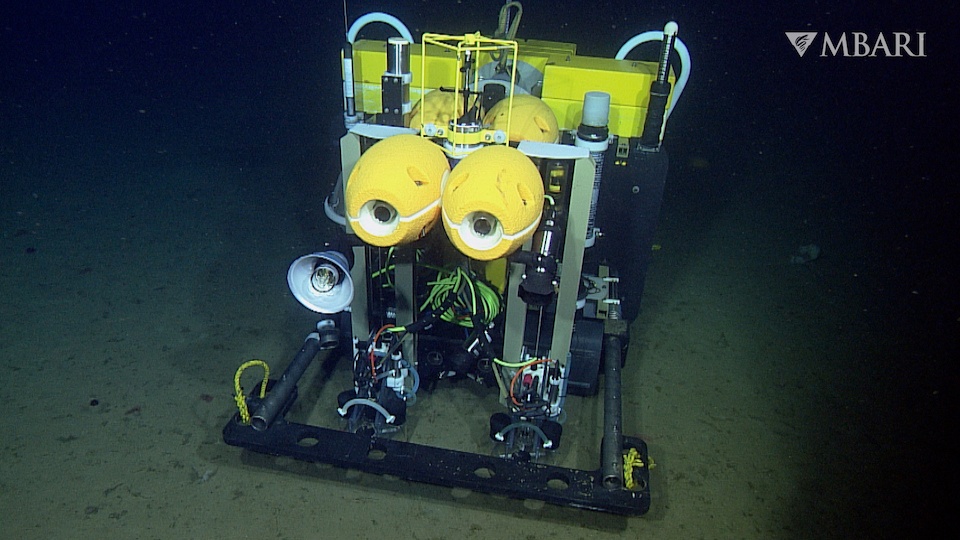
x,y
532,119
437,108
392,195
492,202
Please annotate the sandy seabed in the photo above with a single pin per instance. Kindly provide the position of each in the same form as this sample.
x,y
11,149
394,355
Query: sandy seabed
x,y
140,270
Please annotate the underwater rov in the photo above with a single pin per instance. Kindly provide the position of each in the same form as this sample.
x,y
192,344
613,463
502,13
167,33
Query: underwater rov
x,y
498,200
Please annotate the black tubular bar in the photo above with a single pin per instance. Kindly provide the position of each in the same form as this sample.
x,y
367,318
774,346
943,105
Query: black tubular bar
x,y
611,448
280,393
445,467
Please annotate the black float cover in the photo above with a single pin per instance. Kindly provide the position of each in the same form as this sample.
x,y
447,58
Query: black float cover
x,y
628,210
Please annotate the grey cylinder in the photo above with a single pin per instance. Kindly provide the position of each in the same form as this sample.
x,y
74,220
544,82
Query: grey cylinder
x,y
611,449
280,393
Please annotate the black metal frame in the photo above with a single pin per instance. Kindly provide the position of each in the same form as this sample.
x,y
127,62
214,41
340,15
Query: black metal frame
x,y
451,468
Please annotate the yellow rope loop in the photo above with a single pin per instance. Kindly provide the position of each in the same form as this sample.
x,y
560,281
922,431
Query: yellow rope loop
x,y
630,460
238,390
242,407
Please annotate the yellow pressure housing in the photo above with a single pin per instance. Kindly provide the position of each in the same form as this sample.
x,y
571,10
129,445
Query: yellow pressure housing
x,y
567,76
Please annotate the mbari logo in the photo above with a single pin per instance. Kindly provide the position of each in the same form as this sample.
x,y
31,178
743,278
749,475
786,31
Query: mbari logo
x,y
862,45
801,40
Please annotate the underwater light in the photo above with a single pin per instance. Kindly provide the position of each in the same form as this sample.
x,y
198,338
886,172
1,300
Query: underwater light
x,y
321,281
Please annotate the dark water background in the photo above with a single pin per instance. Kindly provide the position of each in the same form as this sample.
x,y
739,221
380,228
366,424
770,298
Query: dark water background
x,y
864,149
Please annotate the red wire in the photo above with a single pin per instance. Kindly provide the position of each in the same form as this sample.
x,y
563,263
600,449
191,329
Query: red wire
x,y
373,346
513,382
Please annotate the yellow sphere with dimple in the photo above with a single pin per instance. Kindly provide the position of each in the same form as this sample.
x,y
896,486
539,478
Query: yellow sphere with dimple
x,y
532,119
438,108
392,195
492,202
